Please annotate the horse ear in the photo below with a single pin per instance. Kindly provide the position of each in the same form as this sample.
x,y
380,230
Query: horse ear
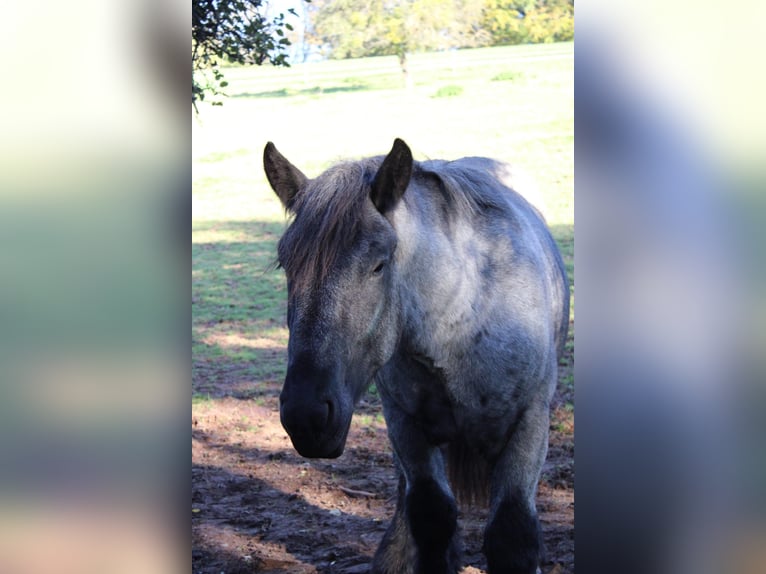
x,y
392,178
285,179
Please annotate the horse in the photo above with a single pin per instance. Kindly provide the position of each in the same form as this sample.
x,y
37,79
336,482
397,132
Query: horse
x,y
441,284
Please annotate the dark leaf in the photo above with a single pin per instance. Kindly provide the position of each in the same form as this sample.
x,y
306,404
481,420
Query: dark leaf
x,y
233,31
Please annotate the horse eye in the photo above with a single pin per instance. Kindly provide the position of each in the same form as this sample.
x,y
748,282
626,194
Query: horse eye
x,y
379,268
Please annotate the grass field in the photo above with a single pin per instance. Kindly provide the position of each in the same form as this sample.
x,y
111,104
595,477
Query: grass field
x,y
511,103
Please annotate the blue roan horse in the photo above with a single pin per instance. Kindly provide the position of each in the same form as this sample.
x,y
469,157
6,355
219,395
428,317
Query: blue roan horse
x,y
444,286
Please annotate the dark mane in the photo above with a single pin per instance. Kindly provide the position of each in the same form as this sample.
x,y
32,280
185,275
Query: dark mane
x,y
471,182
327,219
328,212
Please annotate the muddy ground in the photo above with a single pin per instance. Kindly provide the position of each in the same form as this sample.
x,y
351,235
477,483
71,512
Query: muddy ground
x,y
258,507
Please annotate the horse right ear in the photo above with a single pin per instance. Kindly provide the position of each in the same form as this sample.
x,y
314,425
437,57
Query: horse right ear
x,y
285,179
392,178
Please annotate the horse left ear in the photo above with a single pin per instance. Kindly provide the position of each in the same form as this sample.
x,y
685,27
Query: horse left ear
x,y
286,180
392,178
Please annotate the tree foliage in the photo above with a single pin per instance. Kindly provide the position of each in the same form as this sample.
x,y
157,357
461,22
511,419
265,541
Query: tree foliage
x,y
529,21
233,31
356,28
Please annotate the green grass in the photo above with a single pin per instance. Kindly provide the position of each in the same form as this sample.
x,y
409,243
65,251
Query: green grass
x,y
200,399
507,76
448,91
319,113
367,420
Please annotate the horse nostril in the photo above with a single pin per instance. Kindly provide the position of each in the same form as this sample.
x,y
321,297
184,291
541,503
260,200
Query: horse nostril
x,y
321,416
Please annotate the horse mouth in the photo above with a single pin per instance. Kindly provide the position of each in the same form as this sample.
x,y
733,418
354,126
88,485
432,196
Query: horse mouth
x,y
319,451
326,445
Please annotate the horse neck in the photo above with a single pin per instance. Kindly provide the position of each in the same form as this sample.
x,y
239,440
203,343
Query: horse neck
x,y
430,276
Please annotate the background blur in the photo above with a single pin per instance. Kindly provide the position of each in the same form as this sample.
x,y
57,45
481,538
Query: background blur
x,y
94,288
669,218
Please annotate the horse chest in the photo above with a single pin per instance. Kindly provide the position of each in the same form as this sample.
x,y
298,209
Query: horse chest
x,y
444,416
483,427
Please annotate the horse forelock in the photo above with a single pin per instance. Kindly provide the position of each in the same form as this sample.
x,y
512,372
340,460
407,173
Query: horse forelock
x,y
327,220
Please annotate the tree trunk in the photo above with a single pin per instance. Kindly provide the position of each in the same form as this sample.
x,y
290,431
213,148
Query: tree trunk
x,y
405,70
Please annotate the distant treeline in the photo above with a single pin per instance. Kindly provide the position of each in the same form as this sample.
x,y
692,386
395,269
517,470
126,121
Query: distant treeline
x,y
226,32
358,28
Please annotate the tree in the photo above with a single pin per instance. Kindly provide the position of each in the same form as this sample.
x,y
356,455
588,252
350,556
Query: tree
x,y
529,21
356,28
233,31
551,21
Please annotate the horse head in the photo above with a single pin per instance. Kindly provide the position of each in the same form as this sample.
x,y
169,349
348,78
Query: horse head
x,y
338,254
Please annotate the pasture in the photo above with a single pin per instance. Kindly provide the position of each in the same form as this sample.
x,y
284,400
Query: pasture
x,y
256,505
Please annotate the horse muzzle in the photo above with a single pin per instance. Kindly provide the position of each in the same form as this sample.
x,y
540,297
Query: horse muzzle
x,y
317,429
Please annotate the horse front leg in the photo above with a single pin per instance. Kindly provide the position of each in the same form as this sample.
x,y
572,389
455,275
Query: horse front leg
x,y
512,539
422,537
396,553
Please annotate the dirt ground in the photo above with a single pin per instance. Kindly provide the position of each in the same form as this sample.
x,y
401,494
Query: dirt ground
x,y
258,507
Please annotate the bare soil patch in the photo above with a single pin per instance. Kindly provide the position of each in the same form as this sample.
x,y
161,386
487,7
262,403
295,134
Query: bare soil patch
x,y
258,507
